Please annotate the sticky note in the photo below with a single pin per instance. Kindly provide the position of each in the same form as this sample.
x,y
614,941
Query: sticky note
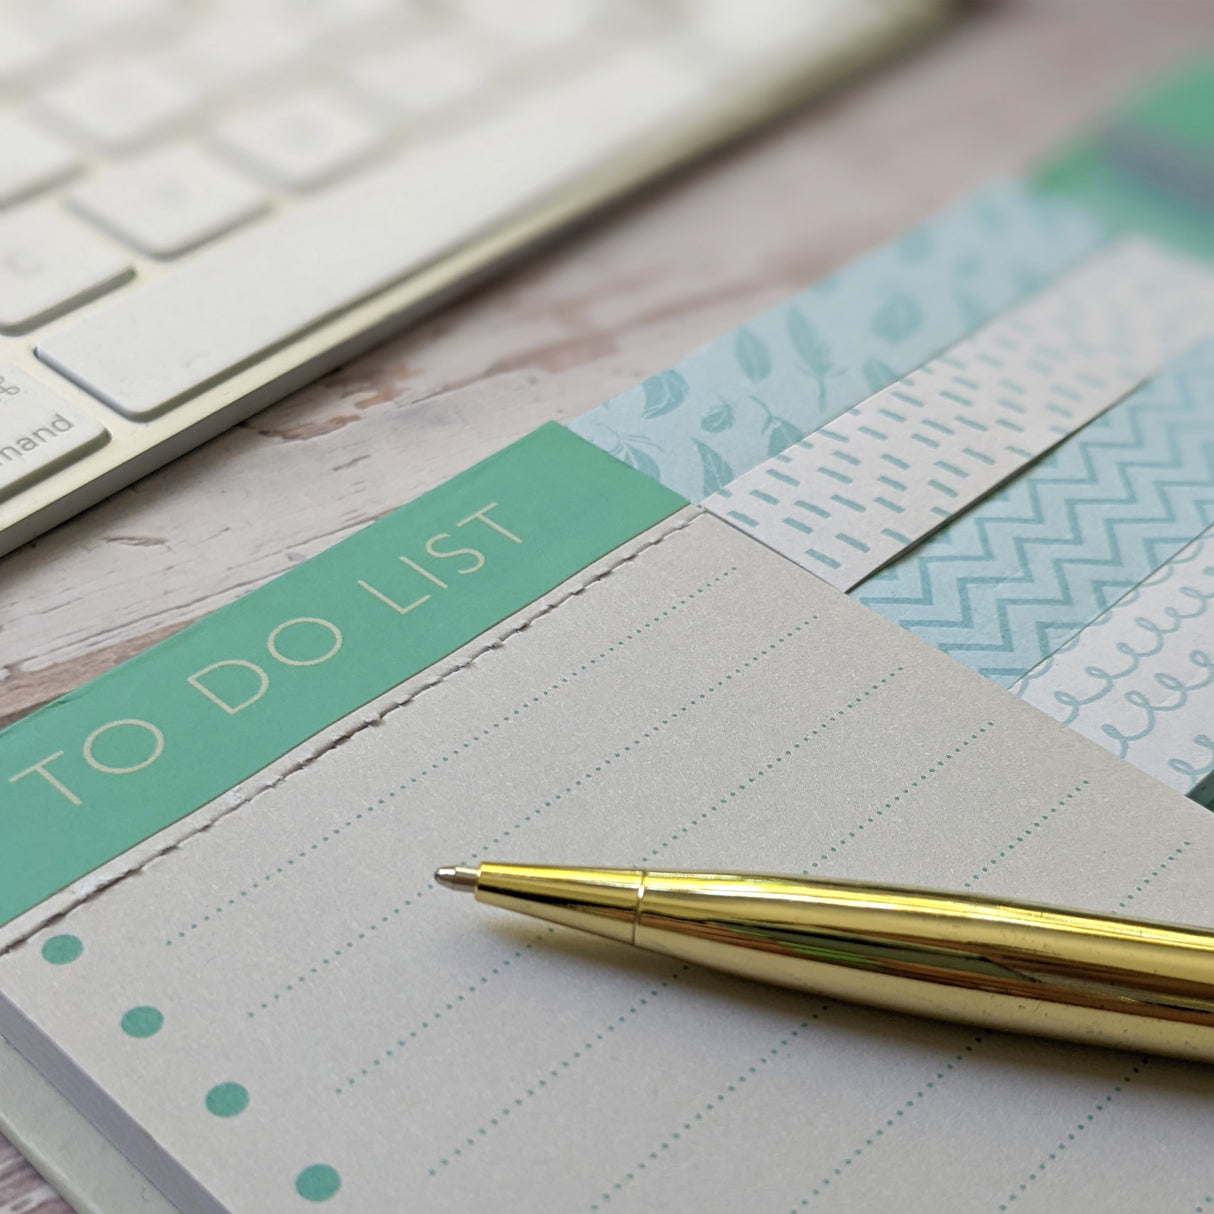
x,y
749,394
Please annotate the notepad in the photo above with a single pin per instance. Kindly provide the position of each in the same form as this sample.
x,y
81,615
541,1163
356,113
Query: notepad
x,y
241,1008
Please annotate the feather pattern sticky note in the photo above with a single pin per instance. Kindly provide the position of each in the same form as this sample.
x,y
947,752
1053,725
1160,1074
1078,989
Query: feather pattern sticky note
x,y
749,394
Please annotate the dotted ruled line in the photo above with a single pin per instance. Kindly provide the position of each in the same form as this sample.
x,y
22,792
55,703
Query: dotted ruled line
x,y
726,1093
1074,1134
280,870
559,1070
288,863
828,855
1166,862
892,1122
1025,832
325,964
752,780
646,735
376,1064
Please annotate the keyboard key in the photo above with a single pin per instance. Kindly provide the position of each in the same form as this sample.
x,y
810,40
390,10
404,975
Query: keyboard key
x,y
768,26
115,108
22,52
70,23
424,77
194,325
236,49
301,141
336,19
168,201
49,264
30,159
534,23
38,432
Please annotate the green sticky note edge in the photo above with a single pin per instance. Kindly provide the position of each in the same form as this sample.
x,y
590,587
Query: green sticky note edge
x,y
107,766
1083,175
1180,108
1122,171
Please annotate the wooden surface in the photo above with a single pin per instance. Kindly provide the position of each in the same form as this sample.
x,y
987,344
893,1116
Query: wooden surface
x,y
608,306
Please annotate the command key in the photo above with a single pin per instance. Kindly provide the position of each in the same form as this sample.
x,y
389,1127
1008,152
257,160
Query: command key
x,y
38,432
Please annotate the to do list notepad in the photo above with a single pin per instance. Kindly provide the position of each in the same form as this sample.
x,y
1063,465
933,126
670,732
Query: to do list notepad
x,y
274,1007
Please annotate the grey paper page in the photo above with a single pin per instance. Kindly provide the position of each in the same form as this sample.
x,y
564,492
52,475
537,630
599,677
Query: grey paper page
x,y
308,1021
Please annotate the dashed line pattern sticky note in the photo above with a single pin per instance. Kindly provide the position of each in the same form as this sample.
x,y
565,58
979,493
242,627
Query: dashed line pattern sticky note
x,y
856,493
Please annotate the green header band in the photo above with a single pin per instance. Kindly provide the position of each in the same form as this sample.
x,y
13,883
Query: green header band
x,y
94,773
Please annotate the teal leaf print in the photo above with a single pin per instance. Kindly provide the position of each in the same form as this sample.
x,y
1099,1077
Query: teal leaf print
x,y
780,431
717,473
878,375
805,340
664,393
897,318
719,419
641,461
782,434
752,356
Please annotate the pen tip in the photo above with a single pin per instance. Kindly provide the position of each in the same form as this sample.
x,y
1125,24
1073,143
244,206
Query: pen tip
x,y
457,876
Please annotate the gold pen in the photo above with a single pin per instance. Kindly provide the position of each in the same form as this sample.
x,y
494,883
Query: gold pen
x,y
1123,983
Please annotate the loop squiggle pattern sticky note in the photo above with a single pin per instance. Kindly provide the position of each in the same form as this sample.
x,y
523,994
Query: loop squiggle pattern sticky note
x,y
1140,679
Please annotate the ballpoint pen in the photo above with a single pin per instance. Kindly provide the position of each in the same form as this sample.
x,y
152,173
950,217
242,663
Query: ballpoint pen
x,y
1124,983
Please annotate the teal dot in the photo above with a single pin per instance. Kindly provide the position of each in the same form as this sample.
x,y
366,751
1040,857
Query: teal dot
x,y
317,1183
62,950
142,1022
227,1099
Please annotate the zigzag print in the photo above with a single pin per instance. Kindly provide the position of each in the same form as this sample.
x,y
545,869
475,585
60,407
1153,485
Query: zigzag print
x,y
1003,586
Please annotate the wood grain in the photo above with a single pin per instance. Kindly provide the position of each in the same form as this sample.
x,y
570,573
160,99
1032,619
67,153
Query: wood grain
x,y
630,294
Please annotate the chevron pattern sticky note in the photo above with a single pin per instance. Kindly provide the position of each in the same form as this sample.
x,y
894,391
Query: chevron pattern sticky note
x,y
849,498
1002,587
1140,679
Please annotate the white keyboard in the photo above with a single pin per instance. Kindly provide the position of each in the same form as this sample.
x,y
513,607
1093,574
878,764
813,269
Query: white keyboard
x,y
204,205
